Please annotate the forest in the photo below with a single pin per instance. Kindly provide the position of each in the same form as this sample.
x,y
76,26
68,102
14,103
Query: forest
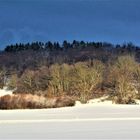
x,y
73,71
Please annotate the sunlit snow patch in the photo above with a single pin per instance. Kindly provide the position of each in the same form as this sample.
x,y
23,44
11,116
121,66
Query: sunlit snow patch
x,y
98,101
5,91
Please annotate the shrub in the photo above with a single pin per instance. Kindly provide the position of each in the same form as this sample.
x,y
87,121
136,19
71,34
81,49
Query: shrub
x,y
2,82
123,79
77,80
59,84
26,83
84,80
24,101
12,82
33,81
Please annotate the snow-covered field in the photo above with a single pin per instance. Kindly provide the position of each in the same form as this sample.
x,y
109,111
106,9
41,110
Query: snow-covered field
x,y
94,120
80,122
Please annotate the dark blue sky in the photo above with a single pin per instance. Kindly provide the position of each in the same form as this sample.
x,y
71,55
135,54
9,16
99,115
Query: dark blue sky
x,y
115,21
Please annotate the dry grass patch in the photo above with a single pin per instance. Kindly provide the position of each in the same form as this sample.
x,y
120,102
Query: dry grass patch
x,y
29,101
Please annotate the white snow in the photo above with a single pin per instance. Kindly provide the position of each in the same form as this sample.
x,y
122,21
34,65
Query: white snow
x,y
98,119
100,101
5,91
79,122
137,101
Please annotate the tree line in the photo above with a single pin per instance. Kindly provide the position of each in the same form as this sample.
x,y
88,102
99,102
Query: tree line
x,y
78,69
52,46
